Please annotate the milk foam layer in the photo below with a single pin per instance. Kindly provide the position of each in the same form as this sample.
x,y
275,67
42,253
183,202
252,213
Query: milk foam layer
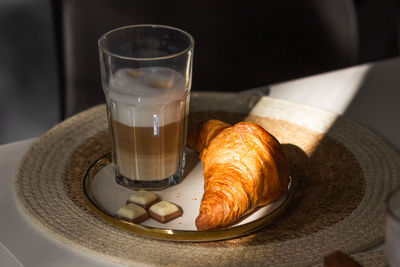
x,y
146,96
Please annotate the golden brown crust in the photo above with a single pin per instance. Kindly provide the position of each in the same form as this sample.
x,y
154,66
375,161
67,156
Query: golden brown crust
x,y
244,167
198,140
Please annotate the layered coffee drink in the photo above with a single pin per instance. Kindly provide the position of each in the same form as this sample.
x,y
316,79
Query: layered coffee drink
x,y
147,110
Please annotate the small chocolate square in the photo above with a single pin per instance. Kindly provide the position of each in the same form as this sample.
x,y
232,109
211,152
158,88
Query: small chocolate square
x,y
132,213
165,211
143,198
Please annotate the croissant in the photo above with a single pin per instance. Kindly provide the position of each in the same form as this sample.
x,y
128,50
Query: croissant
x,y
244,167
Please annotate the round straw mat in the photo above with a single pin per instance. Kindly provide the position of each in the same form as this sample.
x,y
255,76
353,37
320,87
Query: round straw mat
x,y
342,173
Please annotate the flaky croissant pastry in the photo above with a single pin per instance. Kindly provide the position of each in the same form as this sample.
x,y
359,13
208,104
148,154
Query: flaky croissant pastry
x,y
244,167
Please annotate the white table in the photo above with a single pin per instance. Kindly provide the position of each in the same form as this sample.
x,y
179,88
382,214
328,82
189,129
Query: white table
x,y
368,94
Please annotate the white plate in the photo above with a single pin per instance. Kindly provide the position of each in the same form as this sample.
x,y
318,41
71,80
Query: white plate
x,y
107,196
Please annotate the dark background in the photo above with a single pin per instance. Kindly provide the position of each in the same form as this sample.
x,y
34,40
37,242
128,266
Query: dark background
x,y
28,76
32,98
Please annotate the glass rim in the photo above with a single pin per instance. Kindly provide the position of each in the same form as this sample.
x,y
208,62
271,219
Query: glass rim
x,y
387,204
104,36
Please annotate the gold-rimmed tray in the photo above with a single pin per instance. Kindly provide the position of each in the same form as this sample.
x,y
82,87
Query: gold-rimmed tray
x,y
106,197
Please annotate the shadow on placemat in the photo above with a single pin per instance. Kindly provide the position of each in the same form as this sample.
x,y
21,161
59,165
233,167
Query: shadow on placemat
x,y
328,181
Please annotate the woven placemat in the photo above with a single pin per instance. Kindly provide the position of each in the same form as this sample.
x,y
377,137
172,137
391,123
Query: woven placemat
x,y
342,170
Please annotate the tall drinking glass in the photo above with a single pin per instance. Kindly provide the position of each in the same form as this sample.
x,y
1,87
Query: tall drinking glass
x,y
146,74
